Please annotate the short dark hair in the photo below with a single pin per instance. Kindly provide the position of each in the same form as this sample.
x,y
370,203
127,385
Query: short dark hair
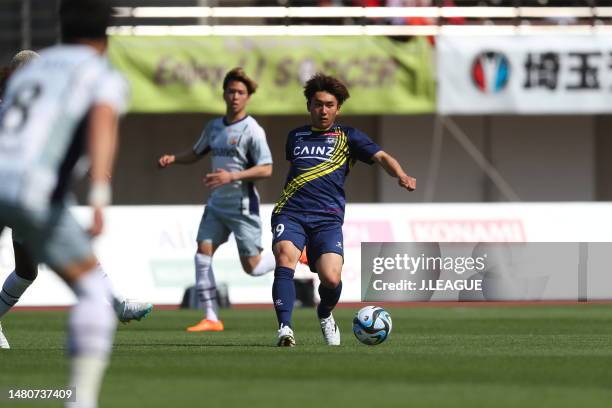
x,y
238,74
84,19
321,82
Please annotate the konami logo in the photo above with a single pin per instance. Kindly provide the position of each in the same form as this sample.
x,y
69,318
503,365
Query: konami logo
x,y
492,230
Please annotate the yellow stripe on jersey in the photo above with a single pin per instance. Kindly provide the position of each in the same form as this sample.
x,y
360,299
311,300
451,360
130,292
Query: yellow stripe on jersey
x,y
336,161
297,183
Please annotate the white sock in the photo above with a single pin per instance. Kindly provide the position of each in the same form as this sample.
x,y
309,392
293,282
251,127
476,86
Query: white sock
x,y
206,286
91,325
13,288
86,375
116,299
266,264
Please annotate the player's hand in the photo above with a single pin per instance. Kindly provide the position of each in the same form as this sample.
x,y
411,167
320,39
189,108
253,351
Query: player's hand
x,y
98,222
218,178
407,182
166,160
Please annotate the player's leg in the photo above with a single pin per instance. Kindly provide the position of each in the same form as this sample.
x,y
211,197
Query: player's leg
x,y
329,266
26,271
58,241
4,344
92,324
288,241
325,251
16,283
211,233
247,230
125,309
19,280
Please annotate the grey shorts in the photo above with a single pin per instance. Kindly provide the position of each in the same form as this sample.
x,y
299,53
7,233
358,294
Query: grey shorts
x,y
51,236
216,226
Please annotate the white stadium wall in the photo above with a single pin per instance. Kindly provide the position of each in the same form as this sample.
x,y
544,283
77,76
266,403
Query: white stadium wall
x,y
148,251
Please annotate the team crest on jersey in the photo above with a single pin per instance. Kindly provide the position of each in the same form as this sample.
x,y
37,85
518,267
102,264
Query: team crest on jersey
x,y
330,140
332,134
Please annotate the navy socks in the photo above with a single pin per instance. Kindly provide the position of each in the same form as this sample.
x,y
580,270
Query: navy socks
x,y
329,300
283,294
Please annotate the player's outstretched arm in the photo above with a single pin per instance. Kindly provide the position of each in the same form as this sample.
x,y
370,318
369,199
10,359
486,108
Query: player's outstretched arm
x,y
102,136
222,176
394,169
186,157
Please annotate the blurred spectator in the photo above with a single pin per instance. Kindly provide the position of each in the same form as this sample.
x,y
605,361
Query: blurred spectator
x,y
422,20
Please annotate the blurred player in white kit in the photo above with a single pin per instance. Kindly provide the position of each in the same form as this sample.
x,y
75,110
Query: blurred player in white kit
x,y
26,271
58,110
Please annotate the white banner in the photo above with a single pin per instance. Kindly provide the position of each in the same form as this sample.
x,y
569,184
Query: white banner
x,y
148,251
526,74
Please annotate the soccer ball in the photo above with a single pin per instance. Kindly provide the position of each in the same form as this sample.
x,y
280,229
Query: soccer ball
x,y
372,325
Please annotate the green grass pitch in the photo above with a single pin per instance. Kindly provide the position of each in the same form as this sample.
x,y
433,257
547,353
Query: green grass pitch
x,y
519,356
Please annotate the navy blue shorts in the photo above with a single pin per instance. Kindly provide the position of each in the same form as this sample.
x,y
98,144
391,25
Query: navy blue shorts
x,y
320,234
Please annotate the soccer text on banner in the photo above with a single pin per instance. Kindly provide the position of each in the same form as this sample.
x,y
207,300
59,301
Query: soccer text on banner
x,y
185,74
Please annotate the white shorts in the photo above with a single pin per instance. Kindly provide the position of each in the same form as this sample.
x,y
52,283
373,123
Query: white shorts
x,y
216,226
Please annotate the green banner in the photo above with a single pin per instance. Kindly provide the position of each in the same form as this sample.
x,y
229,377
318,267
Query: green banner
x,y
185,74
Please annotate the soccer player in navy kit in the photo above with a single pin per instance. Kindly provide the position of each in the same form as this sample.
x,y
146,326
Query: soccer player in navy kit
x,y
310,210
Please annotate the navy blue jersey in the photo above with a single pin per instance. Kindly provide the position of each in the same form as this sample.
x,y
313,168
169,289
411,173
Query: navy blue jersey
x,y
320,161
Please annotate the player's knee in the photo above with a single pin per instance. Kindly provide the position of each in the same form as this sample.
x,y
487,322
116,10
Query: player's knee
x,y
77,271
286,259
330,282
205,248
286,254
203,251
249,263
248,268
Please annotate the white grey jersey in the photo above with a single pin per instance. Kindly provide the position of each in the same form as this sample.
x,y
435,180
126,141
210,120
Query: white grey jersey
x,y
234,147
43,121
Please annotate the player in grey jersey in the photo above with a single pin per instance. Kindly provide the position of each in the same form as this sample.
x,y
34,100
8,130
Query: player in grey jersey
x,y
26,271
240,155
59,110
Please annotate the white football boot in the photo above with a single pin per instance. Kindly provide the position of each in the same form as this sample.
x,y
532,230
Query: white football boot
x,y
330,331
4,344
128,310
285,337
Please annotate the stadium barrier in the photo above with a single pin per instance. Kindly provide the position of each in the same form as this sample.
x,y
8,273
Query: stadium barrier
x,y
148,250
530,74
